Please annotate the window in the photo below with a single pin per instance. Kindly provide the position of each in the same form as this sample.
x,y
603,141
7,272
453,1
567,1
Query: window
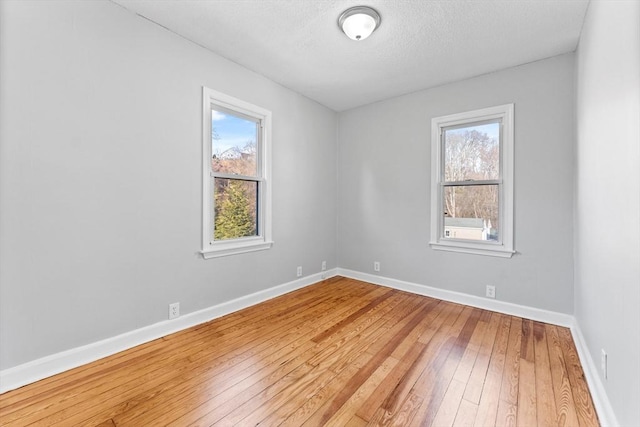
x,y
236,187
472,182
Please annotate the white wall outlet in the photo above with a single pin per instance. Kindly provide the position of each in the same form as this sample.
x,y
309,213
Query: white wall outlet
x,y
299,271
324,265
491,291
603,363
174,310
376,266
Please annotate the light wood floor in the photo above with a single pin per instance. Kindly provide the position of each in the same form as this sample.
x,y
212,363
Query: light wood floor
x,y
340,353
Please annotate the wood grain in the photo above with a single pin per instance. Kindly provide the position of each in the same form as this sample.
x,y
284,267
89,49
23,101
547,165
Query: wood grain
x,y
546,411
566,412
342,353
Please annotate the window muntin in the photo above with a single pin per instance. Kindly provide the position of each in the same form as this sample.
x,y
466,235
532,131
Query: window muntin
x,y
472,182
236,188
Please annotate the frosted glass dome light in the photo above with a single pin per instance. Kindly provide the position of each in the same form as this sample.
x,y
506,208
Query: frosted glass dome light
x,y
359,22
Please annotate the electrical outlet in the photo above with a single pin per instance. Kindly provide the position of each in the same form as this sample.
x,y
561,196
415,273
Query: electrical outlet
x,y
324,265
299,271
174,310
603,363
376,266
491,291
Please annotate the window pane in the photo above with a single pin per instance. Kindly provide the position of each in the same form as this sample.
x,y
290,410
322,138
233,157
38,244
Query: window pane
x,y
471,212
236,209
472,152
233,140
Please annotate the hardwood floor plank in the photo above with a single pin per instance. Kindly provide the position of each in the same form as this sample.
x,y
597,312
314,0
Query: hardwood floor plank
x,y
231,367
508,404
562,393
348,321
236,416
208,410
252,382
378,349
527,378
342,342
546,413
168,358
433,319
335,412
220,364
286,405
466,415
451,401
451,353
405,413
356,421
526,409
339,353
321,397
410,374
399,333
510,379
107,423
408,352
30,396
281,406
386,387
453,398
374,330
479,371
489,399
402,402
186,398
463,373
77,399
581,396
415,385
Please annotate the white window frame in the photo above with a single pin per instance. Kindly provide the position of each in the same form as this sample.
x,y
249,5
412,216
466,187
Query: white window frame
x,y
210,247
504,247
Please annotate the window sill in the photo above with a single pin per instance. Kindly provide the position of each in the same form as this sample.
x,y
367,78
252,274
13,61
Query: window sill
x,y
218,250
476,249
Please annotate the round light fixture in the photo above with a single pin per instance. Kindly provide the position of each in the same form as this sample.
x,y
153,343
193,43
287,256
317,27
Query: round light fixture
x,y
359,22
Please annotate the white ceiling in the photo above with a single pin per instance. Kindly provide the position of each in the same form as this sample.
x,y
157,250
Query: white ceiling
x,y
420,43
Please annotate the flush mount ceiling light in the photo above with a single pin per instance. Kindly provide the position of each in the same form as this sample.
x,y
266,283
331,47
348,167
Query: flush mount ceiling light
x,y
359,22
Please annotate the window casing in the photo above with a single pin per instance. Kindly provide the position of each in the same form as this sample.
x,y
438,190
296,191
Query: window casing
x,y
236,197
472,182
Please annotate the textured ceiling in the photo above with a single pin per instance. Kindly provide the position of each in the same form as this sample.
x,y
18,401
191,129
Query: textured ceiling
x,y
420,43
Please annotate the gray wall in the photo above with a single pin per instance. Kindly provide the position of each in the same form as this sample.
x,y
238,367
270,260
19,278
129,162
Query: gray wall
x,y
607,215
384,185
100,177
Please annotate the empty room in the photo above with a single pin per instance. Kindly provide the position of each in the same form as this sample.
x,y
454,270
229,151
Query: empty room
x,y
319,212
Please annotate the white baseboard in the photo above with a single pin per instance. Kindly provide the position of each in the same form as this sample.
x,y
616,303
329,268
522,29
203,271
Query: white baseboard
x,y
605,412
36,370
537,314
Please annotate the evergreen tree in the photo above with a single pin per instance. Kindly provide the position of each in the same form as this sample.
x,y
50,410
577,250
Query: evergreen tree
x,y
233,214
